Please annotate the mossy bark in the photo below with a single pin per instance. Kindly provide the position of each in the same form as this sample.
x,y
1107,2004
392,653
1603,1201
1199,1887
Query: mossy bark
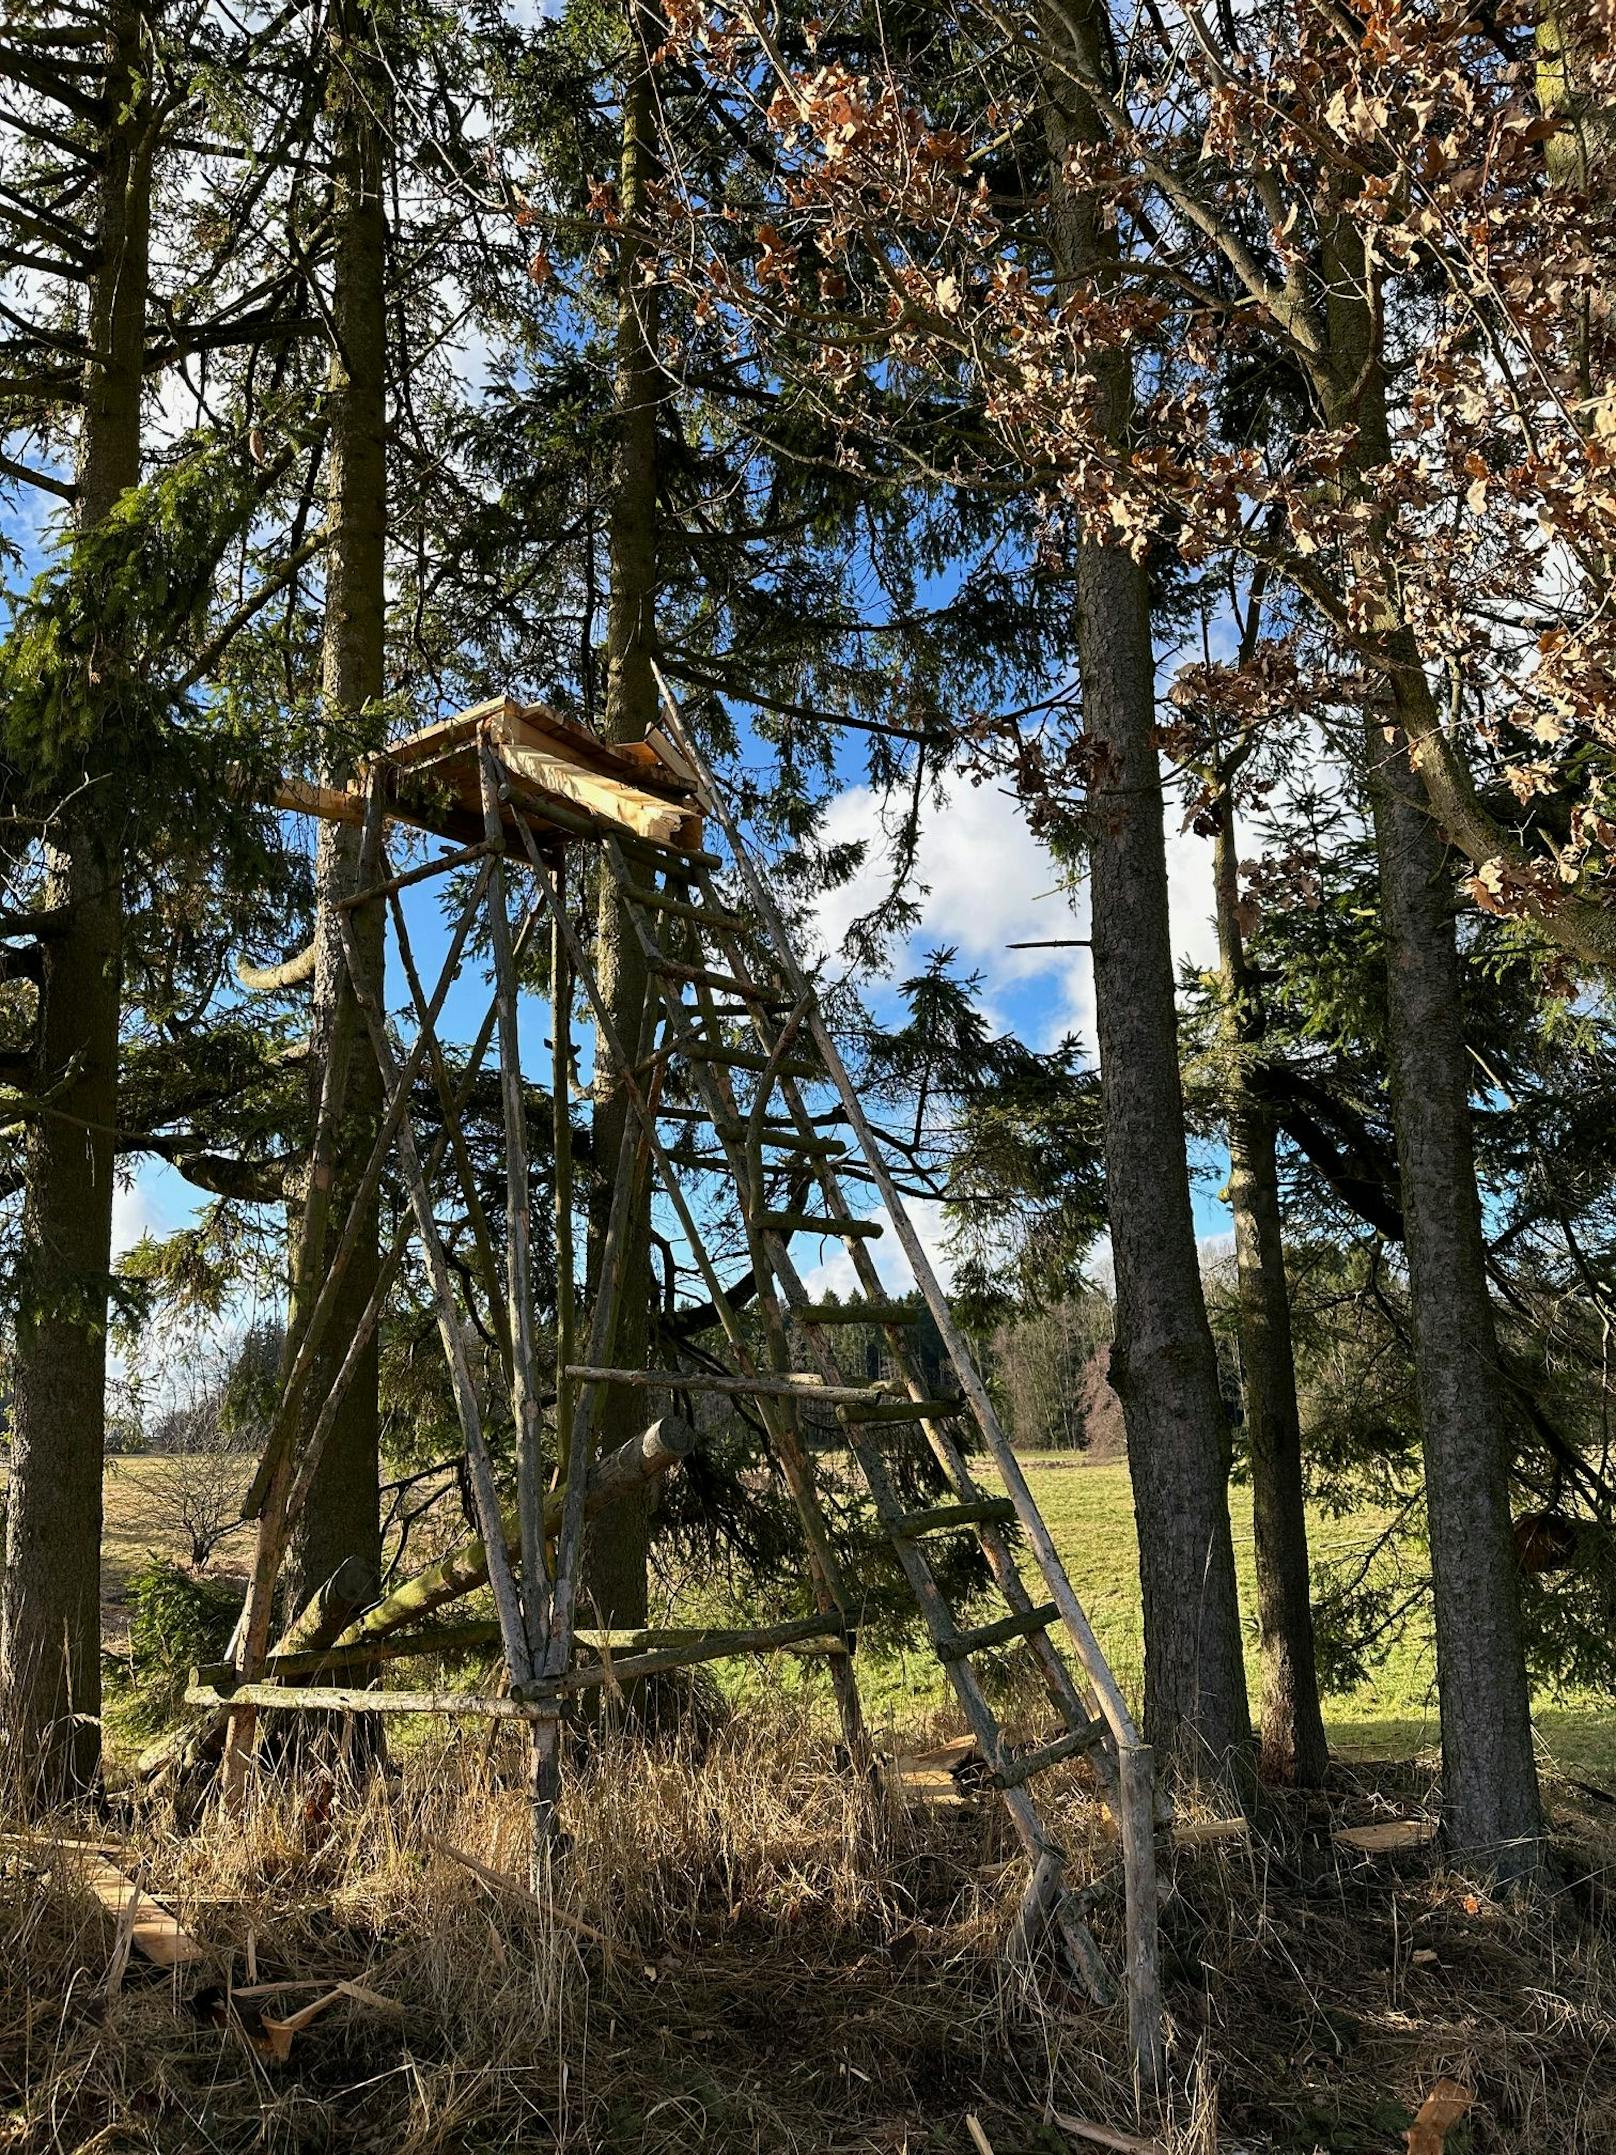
x,y
338,1528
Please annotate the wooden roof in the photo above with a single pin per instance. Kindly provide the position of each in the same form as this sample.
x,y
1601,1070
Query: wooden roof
x,y
565,784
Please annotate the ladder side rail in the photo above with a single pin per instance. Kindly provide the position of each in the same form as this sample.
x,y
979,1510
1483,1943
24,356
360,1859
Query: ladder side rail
x,y
1107,1689
741,1150
1075,1701
742,1160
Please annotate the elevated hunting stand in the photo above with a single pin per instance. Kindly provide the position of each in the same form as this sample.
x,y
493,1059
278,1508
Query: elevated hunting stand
x,y
732,1045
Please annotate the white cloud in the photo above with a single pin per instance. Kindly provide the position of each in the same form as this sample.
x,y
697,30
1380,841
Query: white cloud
x,y
136,1211
834,1274
984,882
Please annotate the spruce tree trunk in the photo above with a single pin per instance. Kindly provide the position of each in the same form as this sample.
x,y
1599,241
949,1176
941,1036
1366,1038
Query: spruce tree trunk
x,y
1292,1750
339,1527
615,1572
50,1659
1163,1363
1491,1805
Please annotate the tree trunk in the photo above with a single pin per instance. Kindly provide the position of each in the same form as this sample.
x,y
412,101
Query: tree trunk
x,y
1490,1792
615,1572
1489,1775
1292,1750
1163,1364
50,1661
339,1526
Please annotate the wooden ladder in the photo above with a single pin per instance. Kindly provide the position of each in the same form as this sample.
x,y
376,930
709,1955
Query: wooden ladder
x,y
737,1010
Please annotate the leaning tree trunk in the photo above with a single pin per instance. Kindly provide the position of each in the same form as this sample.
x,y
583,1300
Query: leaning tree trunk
x,y
615,1573
1163,1364
1491,1803
338,1528
50,1662
1292,1749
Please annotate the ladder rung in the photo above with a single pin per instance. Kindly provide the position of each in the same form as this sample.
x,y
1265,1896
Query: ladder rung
x,y
1020,1626
661,852
833,1631
904,1410
989,1511
659,901
768,1384
752,1059
1016,1770
817,1223
853,1313
817,1148
702,976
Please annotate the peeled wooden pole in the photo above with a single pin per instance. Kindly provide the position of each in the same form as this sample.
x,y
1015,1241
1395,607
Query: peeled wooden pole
x,y
479,1463
465,1567
518,1235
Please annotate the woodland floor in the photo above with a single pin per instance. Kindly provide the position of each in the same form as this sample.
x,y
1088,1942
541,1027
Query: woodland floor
x,y
744,1950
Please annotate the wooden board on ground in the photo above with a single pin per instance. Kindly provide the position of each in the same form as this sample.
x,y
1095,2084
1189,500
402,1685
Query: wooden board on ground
x,y
1208,1832
154,1931
1386,1839
1437,2115
927,1779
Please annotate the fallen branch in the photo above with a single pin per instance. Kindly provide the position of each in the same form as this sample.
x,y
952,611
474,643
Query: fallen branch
x,y
500,1882
1105,2136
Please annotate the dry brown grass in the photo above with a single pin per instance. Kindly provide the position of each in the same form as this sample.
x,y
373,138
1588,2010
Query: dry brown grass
x,y
790,1962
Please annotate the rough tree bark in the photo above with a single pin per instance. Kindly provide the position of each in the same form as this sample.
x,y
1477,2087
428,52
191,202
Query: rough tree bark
x,y
339,1526
50,1660
1491,1804
1292,1749
615,1571
1163,1364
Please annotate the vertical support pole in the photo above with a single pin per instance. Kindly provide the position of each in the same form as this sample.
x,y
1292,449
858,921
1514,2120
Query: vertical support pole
x,y
544,1793
518,1232
1137,1794
500,1579
561,1109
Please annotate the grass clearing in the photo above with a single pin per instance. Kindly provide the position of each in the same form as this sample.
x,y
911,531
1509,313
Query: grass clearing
x,y
1089,1510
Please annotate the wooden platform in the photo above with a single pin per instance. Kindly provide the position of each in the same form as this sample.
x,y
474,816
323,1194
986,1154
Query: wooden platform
x,y
565,784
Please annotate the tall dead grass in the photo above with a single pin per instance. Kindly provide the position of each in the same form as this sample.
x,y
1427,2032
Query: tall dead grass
x,y
743,1949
